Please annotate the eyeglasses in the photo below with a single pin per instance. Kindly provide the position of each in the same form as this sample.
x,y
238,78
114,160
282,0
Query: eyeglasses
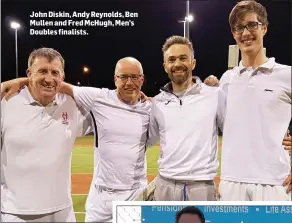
x,y
251,26
125,77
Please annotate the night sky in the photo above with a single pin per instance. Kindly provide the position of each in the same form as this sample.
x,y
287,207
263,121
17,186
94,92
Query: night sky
x,y
158,20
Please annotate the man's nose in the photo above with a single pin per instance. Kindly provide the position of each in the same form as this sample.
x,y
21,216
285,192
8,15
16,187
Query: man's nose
x,y
177,63
245,31
129,81
49,78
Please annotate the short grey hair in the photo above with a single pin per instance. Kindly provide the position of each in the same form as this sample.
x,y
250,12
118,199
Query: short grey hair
x,y
48,53
177,40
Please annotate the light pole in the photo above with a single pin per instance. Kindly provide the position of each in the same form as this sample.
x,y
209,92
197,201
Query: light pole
x,y
184,22
188,19
86,72
187,22
14,25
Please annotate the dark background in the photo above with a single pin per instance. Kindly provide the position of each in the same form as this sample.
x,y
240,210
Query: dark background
x,y
103,47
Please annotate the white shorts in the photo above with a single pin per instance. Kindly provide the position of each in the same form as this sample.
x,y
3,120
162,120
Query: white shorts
x,y
99,202
65,215
235,191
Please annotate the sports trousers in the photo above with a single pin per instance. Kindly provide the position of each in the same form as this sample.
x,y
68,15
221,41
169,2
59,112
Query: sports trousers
x,y
173,190
65,215
99,202
235,191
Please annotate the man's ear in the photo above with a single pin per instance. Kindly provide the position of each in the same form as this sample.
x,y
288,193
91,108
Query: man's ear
x,y
143,80
265,30
194,64
115,80
233,35
28,73
164,66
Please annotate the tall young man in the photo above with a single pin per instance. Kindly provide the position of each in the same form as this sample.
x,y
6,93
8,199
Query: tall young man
x,y
254,165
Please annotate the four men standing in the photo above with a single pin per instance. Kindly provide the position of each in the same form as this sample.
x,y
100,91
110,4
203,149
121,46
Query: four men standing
x,y
185,117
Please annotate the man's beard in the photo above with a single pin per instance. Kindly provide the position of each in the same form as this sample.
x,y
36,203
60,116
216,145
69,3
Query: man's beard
x,y
179,79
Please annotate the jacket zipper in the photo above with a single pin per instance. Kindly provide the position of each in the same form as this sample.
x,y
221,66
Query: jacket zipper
x,y
180,101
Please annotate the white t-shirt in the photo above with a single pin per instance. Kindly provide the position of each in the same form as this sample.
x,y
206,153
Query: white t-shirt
x,y
187,127
120,137
36,153
257,116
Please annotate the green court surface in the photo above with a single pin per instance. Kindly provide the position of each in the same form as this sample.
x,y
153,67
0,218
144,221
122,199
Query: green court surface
x,y
82,164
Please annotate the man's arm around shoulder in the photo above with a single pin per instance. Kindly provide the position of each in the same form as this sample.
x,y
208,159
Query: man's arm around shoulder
x,y
67,89
11,88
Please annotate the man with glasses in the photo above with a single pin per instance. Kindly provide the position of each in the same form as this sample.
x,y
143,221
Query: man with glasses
x,y
121,123
254,166
250,26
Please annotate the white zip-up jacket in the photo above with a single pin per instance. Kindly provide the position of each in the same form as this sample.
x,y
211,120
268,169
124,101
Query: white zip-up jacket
x,y
187,128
